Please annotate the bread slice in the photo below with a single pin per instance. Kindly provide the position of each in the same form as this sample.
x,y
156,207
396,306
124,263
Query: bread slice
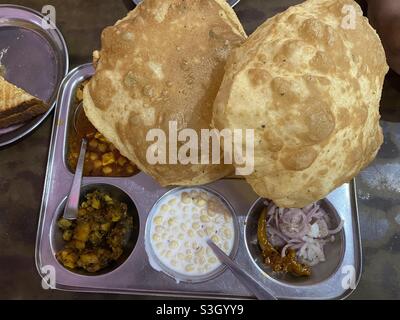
x,y
18,106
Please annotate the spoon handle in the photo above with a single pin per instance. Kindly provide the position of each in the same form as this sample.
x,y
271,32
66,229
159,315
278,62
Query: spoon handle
x,y
71,208
247,280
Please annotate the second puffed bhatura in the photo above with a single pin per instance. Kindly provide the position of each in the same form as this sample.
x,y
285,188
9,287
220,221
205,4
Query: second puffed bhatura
x,y
163,62
309,82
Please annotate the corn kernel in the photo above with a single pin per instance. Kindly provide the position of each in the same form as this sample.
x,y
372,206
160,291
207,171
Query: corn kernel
x,y
200,251
211,213
212,260
184,195
156,237
189,268
173,245
164,208
201,234
219,219
227,233
195,246
200,260
210,231
186,200
227,217
191,233
184,226
204,219
171,221
226,246
215,238
158,220
195,225
181,256
194,194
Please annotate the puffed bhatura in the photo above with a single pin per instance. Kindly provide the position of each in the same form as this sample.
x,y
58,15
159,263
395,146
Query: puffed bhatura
x,y
309,81
163,62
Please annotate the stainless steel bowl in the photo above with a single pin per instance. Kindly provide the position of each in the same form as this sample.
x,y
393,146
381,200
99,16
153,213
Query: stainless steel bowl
x,y
172,273
57,242
334,251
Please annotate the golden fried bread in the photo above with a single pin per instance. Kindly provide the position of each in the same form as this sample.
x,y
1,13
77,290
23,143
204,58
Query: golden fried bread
x,y
309,82
163,62
17,106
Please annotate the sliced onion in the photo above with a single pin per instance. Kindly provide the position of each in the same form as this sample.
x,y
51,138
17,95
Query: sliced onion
x,y
291,246
338,229
289,229
275,231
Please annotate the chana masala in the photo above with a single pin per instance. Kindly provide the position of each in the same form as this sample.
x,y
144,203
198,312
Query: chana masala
x,y
102,158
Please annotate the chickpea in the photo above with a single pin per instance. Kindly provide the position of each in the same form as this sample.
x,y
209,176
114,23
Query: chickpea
x,y
122,161
102,147
93,143
107,170
108,158
97,164
129,169
93,156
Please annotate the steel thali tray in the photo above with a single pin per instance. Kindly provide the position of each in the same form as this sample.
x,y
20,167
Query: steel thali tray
x,y
333,280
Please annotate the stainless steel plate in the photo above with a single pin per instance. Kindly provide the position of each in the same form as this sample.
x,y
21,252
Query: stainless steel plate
x,y
136,276
231,2
33,58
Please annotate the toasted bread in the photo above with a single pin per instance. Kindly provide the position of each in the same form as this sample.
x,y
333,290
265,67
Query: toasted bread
x,y
18,106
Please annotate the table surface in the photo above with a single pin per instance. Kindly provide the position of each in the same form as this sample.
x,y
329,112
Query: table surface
x,y
23,166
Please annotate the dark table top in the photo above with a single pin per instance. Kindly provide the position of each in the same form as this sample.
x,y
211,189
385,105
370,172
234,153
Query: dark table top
x,y
23,166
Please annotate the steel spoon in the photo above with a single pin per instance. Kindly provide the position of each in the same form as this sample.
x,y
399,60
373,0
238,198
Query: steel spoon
x,y
247,280
72,205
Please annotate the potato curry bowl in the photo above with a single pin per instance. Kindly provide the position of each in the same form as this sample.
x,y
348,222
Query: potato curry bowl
x,y
103,235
